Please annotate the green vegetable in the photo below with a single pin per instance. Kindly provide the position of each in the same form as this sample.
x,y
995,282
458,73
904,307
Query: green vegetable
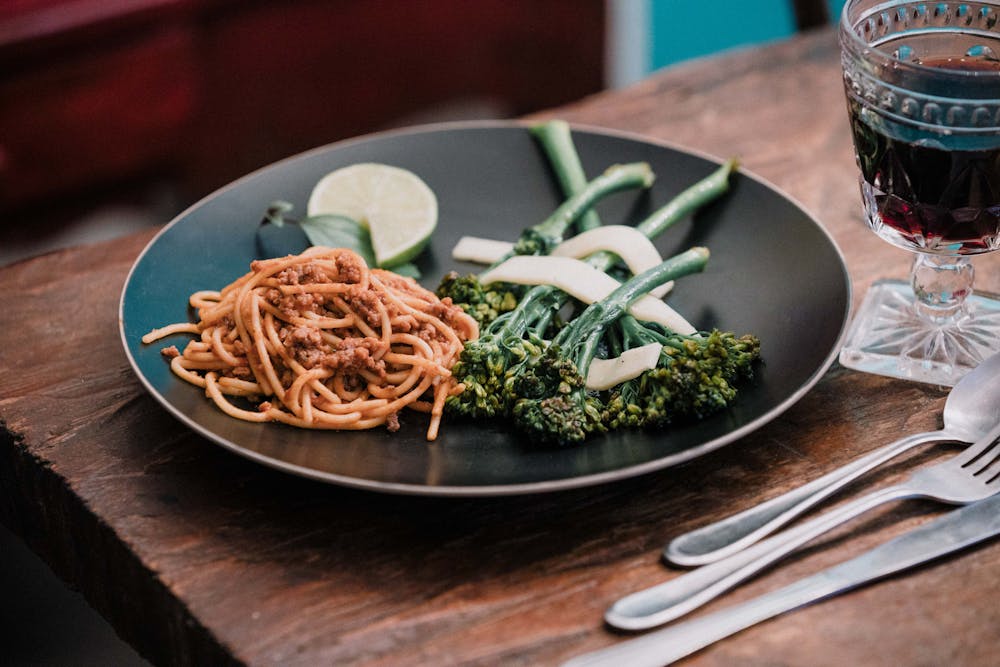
x,y
557,142
541,238
548,393
502,369
279,235
695,377
520,331
486,303
339,231
483,303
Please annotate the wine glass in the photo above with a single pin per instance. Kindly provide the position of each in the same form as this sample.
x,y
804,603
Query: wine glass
x,y
922,81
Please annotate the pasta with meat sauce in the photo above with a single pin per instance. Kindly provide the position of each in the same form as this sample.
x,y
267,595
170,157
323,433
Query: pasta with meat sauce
x,y
320,340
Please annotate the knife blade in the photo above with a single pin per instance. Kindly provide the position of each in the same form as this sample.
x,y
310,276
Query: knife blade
x,y
956,530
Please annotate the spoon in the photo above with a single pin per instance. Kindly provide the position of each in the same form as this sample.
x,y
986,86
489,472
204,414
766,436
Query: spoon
x,y
969,413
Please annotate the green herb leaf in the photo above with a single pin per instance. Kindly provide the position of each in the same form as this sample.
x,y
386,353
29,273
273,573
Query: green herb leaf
x,y
278,235
339,231
275,212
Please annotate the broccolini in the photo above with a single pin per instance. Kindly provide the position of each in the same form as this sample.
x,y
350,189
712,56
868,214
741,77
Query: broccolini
x,y
550,401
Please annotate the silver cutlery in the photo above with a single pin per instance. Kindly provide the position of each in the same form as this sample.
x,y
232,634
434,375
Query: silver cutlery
x,y
969,412
971,475
956,530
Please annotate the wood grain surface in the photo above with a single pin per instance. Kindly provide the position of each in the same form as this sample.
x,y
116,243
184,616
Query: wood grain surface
x,y
199,557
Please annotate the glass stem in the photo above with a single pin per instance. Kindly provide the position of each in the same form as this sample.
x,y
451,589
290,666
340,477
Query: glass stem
x,y
941,284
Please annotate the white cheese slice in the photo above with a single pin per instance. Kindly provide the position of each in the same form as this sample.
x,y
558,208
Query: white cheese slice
x,y
606,373
584,282
634,247
479,250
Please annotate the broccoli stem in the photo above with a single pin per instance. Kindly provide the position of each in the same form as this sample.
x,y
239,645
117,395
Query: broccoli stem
x,y
556,139
584,333
518,321
691,199
709,188
547,392
686,202
635,334
557,142
541,238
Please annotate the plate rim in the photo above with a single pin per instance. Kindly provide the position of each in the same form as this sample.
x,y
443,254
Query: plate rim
x,y
526,488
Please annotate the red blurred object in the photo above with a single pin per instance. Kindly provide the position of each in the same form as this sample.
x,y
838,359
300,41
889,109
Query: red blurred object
x,y
96,92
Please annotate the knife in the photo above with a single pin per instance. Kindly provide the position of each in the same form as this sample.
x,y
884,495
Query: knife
x,y
956,530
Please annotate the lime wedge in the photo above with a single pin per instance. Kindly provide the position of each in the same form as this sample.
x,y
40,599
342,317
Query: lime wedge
x,y
398,208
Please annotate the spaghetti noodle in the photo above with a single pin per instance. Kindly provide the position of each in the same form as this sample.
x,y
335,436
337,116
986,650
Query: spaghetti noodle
x,y
319,340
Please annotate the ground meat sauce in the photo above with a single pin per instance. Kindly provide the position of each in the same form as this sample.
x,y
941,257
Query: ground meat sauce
x,y
353,358
392,422
364,304
357,354
350,356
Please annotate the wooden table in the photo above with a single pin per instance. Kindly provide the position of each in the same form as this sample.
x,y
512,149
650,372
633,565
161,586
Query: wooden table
x,y
197,556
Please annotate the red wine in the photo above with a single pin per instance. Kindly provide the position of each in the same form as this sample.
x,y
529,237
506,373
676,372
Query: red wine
x,y
921,193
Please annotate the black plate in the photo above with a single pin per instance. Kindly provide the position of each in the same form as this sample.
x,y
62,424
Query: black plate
x,y
774,272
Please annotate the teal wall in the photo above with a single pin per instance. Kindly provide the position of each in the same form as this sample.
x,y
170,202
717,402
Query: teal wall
x,y
684,29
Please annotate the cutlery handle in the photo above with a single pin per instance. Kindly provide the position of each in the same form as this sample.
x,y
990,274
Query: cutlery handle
x,y
723,538
676,597
952,532
665,646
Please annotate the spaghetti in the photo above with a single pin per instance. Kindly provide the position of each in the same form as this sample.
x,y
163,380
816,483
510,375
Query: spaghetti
x,y
319,340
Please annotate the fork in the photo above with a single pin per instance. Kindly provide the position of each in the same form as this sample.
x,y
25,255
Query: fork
x,y
971,475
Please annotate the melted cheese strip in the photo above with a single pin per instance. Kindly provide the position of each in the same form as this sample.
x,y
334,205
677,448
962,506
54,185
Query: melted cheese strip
x,y
480,250
634,248
631,245
606,373
581,281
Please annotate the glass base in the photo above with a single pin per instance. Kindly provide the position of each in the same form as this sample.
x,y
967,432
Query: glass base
x,y
888,337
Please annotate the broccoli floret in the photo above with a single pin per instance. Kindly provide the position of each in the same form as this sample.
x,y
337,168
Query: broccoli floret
x,y
532,242
505,372
695,377
480,371
558,420
550,400
483,303
546,375
483,368
503,347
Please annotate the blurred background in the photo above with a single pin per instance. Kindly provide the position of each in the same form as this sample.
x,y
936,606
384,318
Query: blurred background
x,y
115,115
